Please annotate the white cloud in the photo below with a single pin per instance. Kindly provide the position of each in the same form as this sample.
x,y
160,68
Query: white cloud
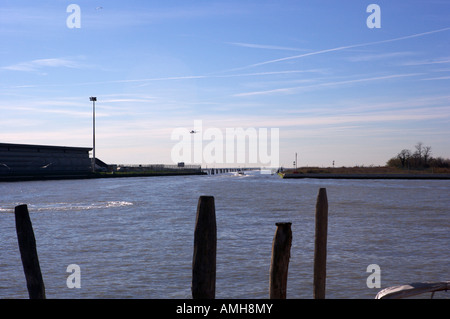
x,y
427,62
437,78
36,65
264,46
378,56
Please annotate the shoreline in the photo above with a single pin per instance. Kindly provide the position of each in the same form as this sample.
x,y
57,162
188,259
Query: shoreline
x,y
285,175
436,176
30,178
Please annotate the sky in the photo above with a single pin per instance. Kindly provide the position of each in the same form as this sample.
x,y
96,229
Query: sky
x,y
336,86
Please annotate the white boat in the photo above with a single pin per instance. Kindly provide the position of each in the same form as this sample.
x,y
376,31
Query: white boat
x,y
404,291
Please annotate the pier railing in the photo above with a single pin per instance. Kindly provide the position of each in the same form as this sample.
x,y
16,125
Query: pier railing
x,y
155,167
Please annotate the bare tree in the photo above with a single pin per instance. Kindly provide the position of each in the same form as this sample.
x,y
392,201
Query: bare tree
x,y
420,159
426,154
419,150
404,156
417,156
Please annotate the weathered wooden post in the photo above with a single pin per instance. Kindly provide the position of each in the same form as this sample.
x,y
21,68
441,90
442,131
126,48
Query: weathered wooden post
x,y
281,252
205,244
320,248
28,253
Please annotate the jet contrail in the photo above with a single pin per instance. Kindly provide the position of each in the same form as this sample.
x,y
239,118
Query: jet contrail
x,y
340,48
291,89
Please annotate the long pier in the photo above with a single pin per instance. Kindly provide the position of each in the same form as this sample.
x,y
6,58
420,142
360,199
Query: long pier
x,y
215,171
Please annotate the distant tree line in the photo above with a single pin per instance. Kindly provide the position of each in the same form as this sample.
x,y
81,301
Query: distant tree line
x,y
419,159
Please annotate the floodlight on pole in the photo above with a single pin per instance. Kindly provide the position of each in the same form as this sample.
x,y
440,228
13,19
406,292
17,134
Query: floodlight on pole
x,y
93,99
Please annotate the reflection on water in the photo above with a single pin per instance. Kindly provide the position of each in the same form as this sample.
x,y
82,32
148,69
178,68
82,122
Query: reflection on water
x,y
133,237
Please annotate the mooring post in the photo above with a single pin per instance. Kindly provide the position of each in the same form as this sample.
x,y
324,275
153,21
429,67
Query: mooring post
x,y
28,253
205,244
320,248
281,252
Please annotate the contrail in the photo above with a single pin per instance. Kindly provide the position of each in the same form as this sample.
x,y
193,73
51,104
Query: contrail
x,y
291,89
340,48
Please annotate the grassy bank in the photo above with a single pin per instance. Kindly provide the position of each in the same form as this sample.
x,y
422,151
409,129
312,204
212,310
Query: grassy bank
x,y
365,170
365,173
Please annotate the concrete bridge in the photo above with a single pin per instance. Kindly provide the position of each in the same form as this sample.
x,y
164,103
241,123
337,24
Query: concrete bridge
x,y
215,171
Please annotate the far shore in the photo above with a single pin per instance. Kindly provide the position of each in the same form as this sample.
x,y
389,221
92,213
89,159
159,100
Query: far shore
x,y
364,173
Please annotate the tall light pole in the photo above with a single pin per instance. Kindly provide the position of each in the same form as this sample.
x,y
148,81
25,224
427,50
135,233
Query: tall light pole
x,y
296,161
93,99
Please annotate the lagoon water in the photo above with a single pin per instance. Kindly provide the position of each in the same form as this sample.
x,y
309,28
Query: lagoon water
x,y
133,237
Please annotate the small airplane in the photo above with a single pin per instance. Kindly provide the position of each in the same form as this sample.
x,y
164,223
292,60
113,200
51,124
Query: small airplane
x,y
193,132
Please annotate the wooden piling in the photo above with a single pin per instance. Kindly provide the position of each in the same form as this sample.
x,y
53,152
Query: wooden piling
x,y
28,253
281,248
205,244
320,248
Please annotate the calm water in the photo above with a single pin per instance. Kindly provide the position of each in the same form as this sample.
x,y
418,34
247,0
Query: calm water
x,y
133,237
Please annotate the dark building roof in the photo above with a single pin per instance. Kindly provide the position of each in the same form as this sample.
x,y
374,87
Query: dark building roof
x,y
43,160
44,147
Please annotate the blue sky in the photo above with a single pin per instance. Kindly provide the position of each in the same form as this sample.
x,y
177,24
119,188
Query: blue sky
x,y
336,89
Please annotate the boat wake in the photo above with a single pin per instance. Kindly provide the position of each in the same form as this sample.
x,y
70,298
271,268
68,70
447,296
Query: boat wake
x,y
70,206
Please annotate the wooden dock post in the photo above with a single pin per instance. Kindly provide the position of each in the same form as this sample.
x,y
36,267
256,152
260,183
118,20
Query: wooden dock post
x,y
281,252
205,244
320,248
28,253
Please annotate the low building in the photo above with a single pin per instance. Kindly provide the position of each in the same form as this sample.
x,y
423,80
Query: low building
x,y
43,160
